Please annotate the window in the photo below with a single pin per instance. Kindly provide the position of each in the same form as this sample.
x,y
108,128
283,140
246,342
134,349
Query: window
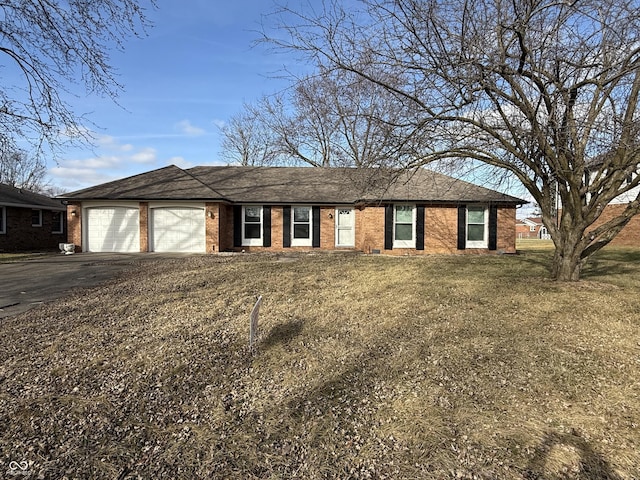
x,y
57,222
252,226
36,218
629,178
532,228
301,226
404,226
3,220
477,227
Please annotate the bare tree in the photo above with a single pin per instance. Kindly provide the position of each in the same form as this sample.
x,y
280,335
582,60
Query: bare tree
x,y
331,118
20,170
51,48
247,140
545,90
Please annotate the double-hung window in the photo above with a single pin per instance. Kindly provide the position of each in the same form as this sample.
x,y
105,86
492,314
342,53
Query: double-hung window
x,y
477,227
404,226
301,226
57,225
36,218
251,225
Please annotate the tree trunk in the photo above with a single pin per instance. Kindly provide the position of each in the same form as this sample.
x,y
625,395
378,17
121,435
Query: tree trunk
x,y
567,259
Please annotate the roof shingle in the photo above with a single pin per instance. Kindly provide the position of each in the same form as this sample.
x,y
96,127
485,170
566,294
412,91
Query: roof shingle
x,y
295,185
18,197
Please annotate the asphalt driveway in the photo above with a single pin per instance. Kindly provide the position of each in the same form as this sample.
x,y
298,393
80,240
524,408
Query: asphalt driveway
x,y
25,284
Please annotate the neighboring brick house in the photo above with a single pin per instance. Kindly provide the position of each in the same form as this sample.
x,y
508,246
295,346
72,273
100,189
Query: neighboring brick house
x,y
629,236
214,209
531,228
30,221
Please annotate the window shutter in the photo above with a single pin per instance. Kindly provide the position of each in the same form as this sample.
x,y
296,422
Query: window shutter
x,y
420,227
493,227
462,227
237,225
315,214
388,227
286,226
266,226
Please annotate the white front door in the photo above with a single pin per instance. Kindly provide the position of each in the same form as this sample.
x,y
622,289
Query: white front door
x,y
345,227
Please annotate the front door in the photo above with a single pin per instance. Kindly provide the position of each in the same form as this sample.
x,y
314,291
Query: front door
x,y
345,227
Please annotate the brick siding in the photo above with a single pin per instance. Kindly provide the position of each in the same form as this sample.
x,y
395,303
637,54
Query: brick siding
x,y
74,224
629,236
440,230
144,226
20,235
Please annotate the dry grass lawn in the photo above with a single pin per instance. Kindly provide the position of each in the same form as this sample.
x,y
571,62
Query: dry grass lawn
x,y
367,367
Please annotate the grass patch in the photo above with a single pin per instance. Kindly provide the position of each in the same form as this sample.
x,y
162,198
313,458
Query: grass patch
x,y
19,257
534,244
367,367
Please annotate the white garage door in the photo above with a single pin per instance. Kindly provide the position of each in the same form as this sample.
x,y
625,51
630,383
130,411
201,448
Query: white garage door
x,y
178,229
113,229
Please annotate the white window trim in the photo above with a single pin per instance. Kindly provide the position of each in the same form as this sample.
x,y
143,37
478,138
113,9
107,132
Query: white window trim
x,y
39,224
3,220
477,243
301,242
405,243
252,242
59,228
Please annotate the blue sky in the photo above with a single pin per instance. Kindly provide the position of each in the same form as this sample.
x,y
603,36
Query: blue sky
x,y
193,71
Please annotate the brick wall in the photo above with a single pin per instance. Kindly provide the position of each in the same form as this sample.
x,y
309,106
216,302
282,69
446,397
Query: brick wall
x,y
507,229
370,229
524,231
212,227
327,227
327,231
225,228
629,236
20,235
144,226
440,230
74,224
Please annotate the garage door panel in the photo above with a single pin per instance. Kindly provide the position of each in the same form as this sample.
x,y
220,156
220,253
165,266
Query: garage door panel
x,y
113,229
178,229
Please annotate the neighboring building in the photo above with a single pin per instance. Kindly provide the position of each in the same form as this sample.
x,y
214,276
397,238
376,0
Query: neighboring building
x,y
214,209
629,236
30,221
531,228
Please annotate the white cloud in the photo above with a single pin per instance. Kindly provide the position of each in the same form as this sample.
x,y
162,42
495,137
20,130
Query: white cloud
x,y
113,160
102,162
218,123
145,155
69,178
187,128
179,162
111,143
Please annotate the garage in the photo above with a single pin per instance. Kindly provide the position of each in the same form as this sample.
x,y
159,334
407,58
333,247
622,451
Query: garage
x,y
177,229
113,229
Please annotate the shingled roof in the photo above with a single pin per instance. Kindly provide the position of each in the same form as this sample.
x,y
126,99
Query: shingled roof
x,y
18,197
292,185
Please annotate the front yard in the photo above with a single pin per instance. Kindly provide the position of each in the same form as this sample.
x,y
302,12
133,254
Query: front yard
x,y
367,367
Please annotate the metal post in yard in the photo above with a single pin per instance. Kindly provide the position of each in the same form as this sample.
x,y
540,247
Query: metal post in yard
x,y
253,322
